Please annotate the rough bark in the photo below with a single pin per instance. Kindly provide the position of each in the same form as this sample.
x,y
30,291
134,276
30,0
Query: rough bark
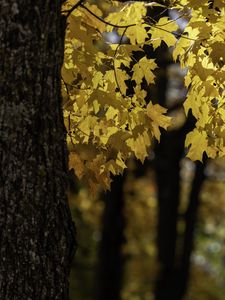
x,y
37,232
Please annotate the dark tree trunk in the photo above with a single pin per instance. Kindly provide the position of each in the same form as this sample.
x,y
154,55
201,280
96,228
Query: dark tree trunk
x,y
110,265
168,156
190,220
37,233
175,263
174,260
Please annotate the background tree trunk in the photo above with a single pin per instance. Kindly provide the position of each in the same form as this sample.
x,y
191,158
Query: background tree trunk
x,y
110,258
174,259
37,233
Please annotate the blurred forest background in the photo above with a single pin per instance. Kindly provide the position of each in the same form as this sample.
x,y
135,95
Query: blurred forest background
x,y
129,253
160,232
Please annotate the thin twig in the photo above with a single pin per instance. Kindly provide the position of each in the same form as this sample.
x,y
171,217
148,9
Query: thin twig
x,y
69,11
115,54
106,22
131,25
173,20
162,12
176,34
65,84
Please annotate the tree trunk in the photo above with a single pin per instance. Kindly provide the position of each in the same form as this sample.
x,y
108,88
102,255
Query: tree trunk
x,y
111,259
190,219
168,157
37,233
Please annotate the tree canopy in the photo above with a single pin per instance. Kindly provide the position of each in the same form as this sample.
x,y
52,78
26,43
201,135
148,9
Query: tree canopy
x,y
108,114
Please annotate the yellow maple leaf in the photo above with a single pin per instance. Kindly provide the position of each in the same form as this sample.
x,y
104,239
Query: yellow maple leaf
x,y
163,31
137,34
77,164
156,114
143,69
138,146
119,161
121,77
181,47
198,143
97,79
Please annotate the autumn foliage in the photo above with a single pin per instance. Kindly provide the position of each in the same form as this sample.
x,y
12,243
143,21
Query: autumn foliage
x,y
107,122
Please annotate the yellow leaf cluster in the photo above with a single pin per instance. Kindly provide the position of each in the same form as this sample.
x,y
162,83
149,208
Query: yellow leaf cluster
x,y
106,123
201,50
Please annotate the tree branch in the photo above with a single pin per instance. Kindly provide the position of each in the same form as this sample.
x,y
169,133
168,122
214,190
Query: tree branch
x,y
131,25
79,3
103,21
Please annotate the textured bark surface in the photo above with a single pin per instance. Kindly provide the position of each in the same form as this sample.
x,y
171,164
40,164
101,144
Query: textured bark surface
x,y
37,232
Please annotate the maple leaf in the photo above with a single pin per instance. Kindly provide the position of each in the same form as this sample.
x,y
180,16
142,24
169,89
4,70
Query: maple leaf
x,y
143,69
121,77
137,34
156,114
77,164
163,31
138,146
197,143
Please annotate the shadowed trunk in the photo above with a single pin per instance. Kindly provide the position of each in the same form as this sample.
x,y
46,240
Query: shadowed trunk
x,y
168,156
110,265
37,233
174,262
190,219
